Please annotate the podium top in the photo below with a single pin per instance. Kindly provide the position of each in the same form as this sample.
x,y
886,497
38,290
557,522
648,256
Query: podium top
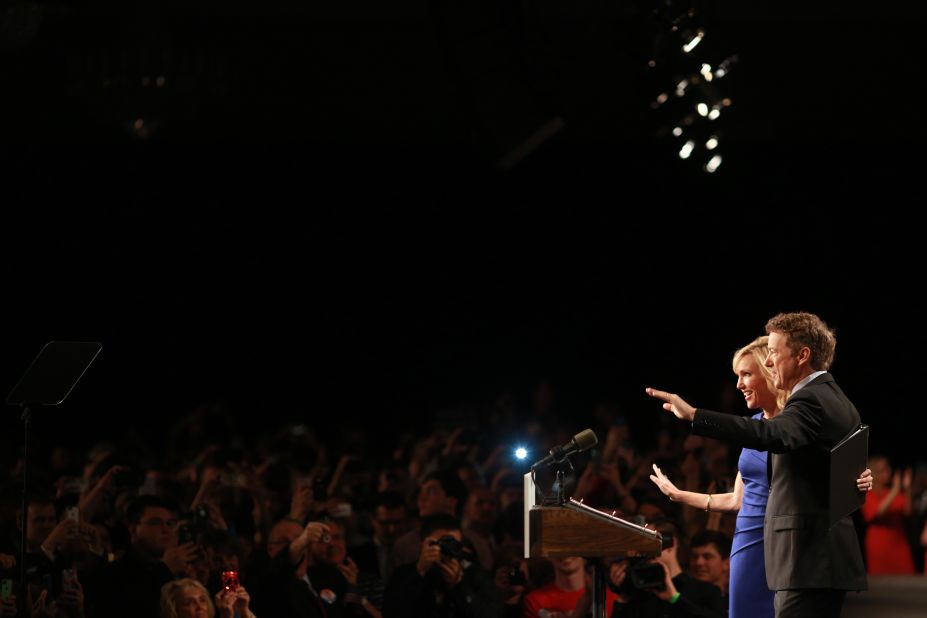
x,y
612,518
575,529
54,373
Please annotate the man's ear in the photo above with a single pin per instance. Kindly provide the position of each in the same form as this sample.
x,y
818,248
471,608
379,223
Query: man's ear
x,y
804,355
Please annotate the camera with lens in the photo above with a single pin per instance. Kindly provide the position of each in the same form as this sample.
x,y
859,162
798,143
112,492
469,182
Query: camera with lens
x,y
643,574
451,547
646,575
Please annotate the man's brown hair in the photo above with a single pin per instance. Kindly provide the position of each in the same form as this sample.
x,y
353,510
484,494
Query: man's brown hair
x,y
806,330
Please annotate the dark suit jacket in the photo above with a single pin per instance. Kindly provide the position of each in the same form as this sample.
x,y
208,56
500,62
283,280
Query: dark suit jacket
x,y
366,558
131,585
281,595
801,550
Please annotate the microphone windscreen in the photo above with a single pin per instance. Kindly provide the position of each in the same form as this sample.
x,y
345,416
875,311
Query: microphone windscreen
x,y
585,439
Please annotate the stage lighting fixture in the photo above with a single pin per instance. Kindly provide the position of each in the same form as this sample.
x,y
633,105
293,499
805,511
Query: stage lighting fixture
x,y
685,63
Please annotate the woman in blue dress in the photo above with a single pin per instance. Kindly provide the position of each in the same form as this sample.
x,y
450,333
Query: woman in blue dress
x,y
750,596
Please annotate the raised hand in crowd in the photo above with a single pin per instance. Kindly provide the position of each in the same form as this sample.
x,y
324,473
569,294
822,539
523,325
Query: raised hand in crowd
x,y
611,472
349,570
177,558
497,479
41,608
423,452
214,515
335,483
209,482
906,479
71,598
585,482
231,602
492,460
301,503
191,472
100,492
70,535
314,532
454,446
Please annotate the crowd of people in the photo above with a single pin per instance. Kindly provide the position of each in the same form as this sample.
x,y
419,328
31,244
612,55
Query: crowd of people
x,y
289,524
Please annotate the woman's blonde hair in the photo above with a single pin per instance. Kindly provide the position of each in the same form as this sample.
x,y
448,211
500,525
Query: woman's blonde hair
x,y
170,596
760,350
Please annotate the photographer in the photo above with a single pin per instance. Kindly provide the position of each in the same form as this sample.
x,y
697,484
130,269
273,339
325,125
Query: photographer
x,y
643,593
445,581
133,583
284,588
513,579
344,590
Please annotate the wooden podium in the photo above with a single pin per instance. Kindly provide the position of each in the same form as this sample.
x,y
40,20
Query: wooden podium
x,y
575,529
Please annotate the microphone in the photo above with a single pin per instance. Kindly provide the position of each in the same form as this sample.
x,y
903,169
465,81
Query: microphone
x,y
583,441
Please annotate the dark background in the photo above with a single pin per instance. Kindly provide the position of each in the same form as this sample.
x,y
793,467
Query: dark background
x,y
314,219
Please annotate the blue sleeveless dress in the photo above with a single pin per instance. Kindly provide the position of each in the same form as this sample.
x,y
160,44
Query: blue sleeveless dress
x,y
750,596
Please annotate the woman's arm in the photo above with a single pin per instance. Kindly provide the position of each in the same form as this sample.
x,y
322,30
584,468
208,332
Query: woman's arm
x,y
727,502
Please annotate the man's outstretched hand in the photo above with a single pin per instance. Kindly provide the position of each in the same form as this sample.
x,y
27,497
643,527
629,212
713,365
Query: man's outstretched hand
x,y
674,403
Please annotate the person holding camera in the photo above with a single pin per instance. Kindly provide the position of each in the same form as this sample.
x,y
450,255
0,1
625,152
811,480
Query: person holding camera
x,y
658,587
445,581
513,578
188,598
344,590
233,600
133,583
285,589
441,491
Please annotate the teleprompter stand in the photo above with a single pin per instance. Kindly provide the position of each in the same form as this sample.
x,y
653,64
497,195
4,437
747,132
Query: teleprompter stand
x,y
47,382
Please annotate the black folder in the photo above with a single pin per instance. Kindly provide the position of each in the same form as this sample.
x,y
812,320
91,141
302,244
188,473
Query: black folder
x,y
847,461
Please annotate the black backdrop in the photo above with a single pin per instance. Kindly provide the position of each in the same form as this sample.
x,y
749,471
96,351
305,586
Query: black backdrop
x,y
310,218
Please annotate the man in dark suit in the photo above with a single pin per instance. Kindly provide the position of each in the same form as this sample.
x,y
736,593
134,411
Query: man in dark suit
x,y
809,564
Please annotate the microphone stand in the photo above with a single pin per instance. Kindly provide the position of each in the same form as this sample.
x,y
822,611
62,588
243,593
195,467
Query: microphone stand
x,y
561,497
559,467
